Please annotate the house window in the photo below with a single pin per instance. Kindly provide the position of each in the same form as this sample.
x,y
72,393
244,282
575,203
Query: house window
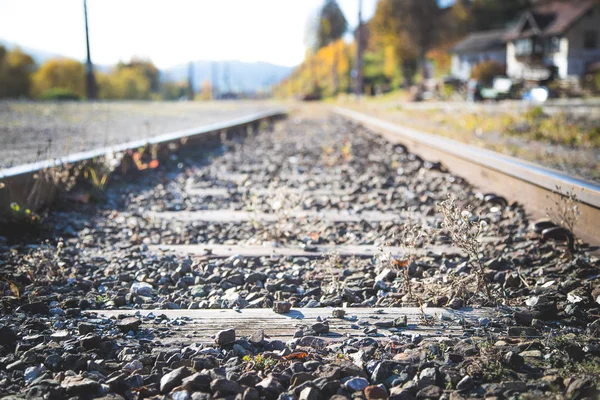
x,y
523,47
590,40
554,44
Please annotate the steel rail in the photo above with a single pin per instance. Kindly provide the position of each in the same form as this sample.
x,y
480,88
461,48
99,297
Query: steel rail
x,y
17,182
135,144
517,180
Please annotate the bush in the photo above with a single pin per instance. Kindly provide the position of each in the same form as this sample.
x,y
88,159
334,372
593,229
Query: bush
x,y
60,95
486,71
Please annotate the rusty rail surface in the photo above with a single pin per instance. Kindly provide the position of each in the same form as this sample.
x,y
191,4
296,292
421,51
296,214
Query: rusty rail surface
x,y
517,180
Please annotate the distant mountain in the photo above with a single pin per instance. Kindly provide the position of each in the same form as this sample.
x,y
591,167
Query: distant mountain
x,y
234,76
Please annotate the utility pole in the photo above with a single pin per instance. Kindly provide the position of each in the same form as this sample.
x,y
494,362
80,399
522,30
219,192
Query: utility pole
x,y
214,78
227,77
191,80
90,80
359,52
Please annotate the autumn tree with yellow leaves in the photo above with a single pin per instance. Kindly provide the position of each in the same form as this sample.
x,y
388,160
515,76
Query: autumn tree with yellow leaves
x,y
16,68
59,74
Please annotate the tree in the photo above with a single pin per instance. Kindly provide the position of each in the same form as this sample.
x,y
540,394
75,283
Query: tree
x,y
331,24
138,79
149,70
173,90
64,74
16,68
410,27
124,83
206,91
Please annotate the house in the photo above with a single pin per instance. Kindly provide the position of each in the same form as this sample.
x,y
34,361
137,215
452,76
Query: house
x,y
475,48
555,39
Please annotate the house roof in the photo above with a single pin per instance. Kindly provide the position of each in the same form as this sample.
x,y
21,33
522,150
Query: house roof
x,y
481,41
549,19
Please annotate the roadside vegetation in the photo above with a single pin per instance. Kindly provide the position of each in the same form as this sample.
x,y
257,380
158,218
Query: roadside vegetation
x,y
557,139
64,79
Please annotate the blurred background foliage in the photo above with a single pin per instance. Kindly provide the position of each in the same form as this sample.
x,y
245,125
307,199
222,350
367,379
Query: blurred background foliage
x,y
405,42
64,79
401,39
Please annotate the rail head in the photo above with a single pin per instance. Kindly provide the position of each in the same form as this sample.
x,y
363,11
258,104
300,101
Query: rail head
x,y
545,178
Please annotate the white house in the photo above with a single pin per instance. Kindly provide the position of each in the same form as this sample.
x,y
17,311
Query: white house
x,y
560,37
475,48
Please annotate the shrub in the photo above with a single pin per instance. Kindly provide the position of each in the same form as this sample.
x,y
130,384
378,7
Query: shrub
x,y
486,71
59,94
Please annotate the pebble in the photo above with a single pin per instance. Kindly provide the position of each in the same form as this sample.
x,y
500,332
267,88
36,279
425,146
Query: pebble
x,y
225,337
53,346
141,288
282,307
129,324
356,384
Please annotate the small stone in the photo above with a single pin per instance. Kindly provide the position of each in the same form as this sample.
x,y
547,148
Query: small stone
x,y
543,224
356,384
522,331
428,376
37,307
320,328
282,307
429,392
90,341
338,313
300,377
557,233
129,324
180,395
257,338
513,360
141,288
134,365
465,384
30,374
256,277
225,337
85,328
196,382
7,336
531,354
270,387
78,385
581,388
173,379
455,304
251,394
401,322
226,387
60,336
376,392
311,341
309,393
525,317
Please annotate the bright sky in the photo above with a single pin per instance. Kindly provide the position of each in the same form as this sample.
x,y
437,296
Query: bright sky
x,y
169,32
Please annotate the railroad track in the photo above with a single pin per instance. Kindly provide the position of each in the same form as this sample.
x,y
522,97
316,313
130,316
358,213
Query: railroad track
x,y
304,259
